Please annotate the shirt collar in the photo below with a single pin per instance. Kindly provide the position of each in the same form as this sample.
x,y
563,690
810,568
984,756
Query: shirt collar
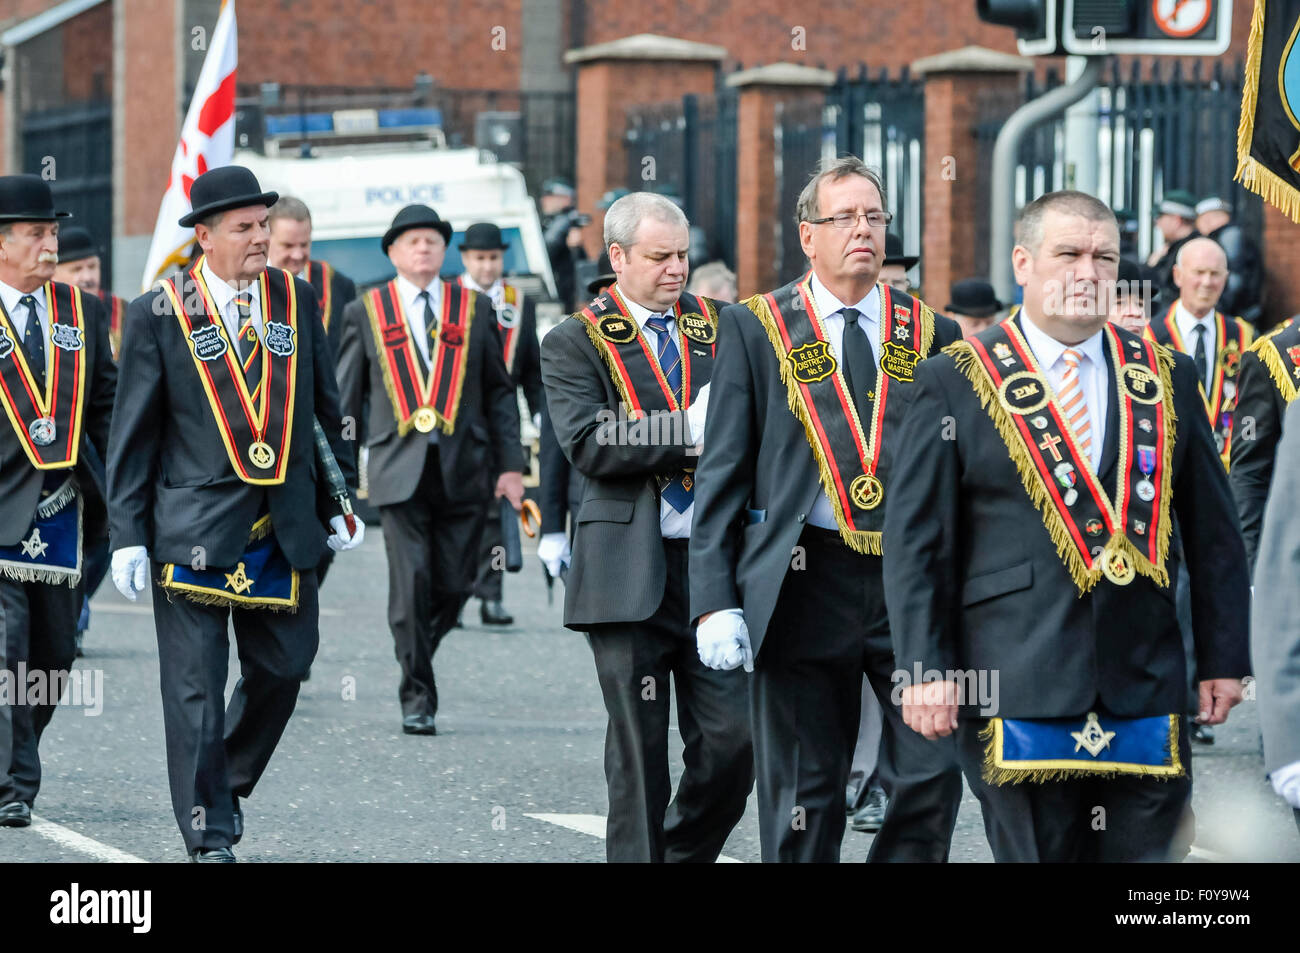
x,y
1048,350
828,304
409,292
1186,323
222,292
493,290
10,296
640,313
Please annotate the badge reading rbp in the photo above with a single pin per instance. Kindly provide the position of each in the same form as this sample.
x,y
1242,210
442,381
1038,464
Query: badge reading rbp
x,y
1141,384
811,362
697,328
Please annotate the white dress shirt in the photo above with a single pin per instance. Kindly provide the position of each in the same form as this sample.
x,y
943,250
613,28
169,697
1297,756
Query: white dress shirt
x,y
829,307
672,525
223,296
497,292
10,297
409,294
1187,325
1092,376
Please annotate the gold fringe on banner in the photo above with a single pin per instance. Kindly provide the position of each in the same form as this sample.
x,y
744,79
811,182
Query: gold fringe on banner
x,y
1252,173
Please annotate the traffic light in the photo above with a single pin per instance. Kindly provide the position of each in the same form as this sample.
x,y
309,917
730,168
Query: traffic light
x,y
1102,27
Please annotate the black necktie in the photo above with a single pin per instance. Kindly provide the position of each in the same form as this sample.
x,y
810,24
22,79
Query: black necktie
x,y
859,363
34,341
430,326
1199,355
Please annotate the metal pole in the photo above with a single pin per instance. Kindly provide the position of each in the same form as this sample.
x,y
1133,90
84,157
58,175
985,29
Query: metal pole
x,y
1004,168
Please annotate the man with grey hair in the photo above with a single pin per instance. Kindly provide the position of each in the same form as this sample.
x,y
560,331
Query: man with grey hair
x,y
627,383
1040,465
813,380
714,280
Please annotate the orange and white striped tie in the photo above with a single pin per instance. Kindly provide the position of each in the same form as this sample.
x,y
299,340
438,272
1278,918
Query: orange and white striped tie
x,y
1073,406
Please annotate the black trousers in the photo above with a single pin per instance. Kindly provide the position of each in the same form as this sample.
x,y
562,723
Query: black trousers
x,y
38,627
214,750
1090,820
488,583
431,545
829,628
633,662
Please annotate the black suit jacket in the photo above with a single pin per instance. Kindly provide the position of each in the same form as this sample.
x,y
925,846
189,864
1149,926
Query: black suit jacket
x,y
756,457
973,580
1257,429
560,492
171,487
618,570
342,292
527,369
20,482
485,441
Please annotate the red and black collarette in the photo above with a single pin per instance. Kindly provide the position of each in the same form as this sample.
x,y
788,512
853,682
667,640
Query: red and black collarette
x,y
1096,533
257,434
47,421
1234,337
631,359
320,274
509,319
116,307
411,392
1279,351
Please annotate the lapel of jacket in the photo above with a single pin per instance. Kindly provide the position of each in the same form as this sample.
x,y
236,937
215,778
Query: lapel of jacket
x,y
1110,446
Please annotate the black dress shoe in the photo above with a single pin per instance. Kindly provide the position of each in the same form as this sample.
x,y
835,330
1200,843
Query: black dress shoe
x,y
418,725
492,612
212,855
15,814
871,815
239,817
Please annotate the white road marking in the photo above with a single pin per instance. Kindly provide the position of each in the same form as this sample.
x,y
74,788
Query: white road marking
x,y
65,837
594,825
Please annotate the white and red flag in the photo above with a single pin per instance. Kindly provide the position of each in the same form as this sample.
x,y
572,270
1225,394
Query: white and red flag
x,y
207,142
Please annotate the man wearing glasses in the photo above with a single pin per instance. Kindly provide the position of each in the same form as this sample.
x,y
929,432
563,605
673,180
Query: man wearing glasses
x,y
810,384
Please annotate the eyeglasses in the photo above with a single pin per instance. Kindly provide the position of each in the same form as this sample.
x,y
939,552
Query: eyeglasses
x,y
850,219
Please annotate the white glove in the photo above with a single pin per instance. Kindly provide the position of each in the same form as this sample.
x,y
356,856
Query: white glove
x,y
696,413
1286,782
131,571
553,551
537,421
723,641
340,542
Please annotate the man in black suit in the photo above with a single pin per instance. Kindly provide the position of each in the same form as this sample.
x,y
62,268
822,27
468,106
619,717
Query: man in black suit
x,y
483,253
811,383
1010,554
212,481
443,436
290,249
56,389
627,384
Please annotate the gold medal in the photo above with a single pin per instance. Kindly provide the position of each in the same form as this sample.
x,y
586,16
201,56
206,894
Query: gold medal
x,y
1117,566
262,455
866,491
425,419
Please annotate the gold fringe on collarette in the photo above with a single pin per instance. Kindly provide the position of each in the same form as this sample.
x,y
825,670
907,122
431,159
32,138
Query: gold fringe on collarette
x,y
1252,173
1063,770
860,541
1085,578
448,424
1271,358
606,353
381,353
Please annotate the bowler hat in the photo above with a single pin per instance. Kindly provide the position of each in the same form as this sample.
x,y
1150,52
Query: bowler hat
x,y
974,297
224,188
483,236
604,275
76,244
415,216
27,198
894,252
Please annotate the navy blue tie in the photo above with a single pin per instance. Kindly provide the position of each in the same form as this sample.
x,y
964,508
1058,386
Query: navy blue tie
x,y
34,341
679,488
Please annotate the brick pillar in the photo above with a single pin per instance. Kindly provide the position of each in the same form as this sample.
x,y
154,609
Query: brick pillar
x,y
635,70
757,189
955,82
1281,254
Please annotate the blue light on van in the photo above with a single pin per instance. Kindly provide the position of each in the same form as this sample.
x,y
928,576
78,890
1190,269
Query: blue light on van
x,y
362,261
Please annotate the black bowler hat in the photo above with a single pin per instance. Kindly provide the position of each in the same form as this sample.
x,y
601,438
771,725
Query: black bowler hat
x,y
483,236
604,275
974,297
415,216
76,244
27,198
219,190
894,252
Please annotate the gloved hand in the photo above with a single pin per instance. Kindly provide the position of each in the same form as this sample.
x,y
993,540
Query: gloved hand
x,y
1286,782
131,571
553,551
340,542
723,641
697,412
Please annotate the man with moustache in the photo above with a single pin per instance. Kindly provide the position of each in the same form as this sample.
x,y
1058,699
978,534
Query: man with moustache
x,y
443,439
482,251
1017,547
810,386
627,382
214,495
290,249
56,389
